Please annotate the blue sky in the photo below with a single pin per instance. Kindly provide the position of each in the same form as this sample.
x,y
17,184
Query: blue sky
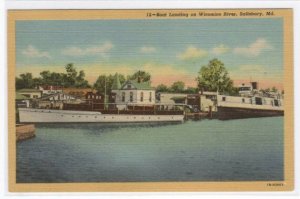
x,y
170,50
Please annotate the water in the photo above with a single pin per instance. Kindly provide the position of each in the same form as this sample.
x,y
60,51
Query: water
x,y
207,150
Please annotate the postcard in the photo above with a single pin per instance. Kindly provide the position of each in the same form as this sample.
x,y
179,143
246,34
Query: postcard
x,y
150,100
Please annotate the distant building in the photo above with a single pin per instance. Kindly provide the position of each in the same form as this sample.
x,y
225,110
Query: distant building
x,y
172,98
54,101
30,93
132,93
208,101
49,89
77,92
22,101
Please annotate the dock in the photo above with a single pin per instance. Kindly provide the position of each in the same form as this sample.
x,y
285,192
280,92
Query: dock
x,y
24,131
196,116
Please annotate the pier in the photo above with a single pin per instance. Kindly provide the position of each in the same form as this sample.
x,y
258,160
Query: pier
x,y
25,131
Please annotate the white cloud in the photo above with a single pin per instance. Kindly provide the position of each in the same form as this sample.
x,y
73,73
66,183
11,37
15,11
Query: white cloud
x,y
147,49
92,50
192,53
220,49
33,52
253,49
256,72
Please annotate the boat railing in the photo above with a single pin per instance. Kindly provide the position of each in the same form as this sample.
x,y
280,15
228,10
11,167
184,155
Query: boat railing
x,y
127,108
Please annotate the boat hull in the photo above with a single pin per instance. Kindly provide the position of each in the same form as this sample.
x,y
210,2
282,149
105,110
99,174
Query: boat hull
x,y
29,115
227,113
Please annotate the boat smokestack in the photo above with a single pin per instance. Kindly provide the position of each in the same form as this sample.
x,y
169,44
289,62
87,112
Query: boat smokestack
x,y
254,85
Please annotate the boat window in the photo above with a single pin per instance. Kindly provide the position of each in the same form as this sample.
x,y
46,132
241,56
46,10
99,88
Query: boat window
x,y
142,96
123,96
131,96
243,100
258,101
245,89
223,99
150,96
276,103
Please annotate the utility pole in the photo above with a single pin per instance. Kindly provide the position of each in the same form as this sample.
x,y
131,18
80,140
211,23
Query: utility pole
x,y
104,92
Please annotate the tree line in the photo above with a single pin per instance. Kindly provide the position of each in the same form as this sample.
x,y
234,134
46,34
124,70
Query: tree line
x,y
211,77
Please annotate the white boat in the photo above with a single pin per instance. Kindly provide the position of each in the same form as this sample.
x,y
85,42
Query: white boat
x,y
237,107
32,115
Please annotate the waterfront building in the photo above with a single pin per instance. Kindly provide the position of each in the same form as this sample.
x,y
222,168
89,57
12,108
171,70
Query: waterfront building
x,y
22,101
208,101
132,92
55,101
30,93
77,92
172,98
49,89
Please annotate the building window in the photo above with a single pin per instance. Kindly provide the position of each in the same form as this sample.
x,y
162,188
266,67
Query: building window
x,y
150,97
129,86
142,96
223,99
131,96
123,96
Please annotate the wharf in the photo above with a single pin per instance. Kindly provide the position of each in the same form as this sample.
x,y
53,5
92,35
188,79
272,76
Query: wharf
x,y
197,116
24,131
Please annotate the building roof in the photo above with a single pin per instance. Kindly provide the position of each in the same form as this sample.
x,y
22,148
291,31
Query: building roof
x,y
21,97
50,87
116,84
139,86
77,92
31,90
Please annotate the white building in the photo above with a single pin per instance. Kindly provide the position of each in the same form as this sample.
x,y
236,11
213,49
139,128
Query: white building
x,y
208,101
133,93
30,93
55,100
49,89
170,99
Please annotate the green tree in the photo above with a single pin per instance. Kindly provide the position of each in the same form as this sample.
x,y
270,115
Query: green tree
x,y
162,88
140,76
71,74
106,80
177,87
80,81
24,80
274,89
191,90
214,77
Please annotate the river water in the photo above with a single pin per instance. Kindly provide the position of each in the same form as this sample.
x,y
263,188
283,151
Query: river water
x,y
207,150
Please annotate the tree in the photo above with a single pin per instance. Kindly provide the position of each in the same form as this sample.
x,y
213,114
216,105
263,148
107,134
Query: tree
x,y
162,88
106,80
191,90
177,87
140,76
71,74
24,80
274,89
214,77
80,81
